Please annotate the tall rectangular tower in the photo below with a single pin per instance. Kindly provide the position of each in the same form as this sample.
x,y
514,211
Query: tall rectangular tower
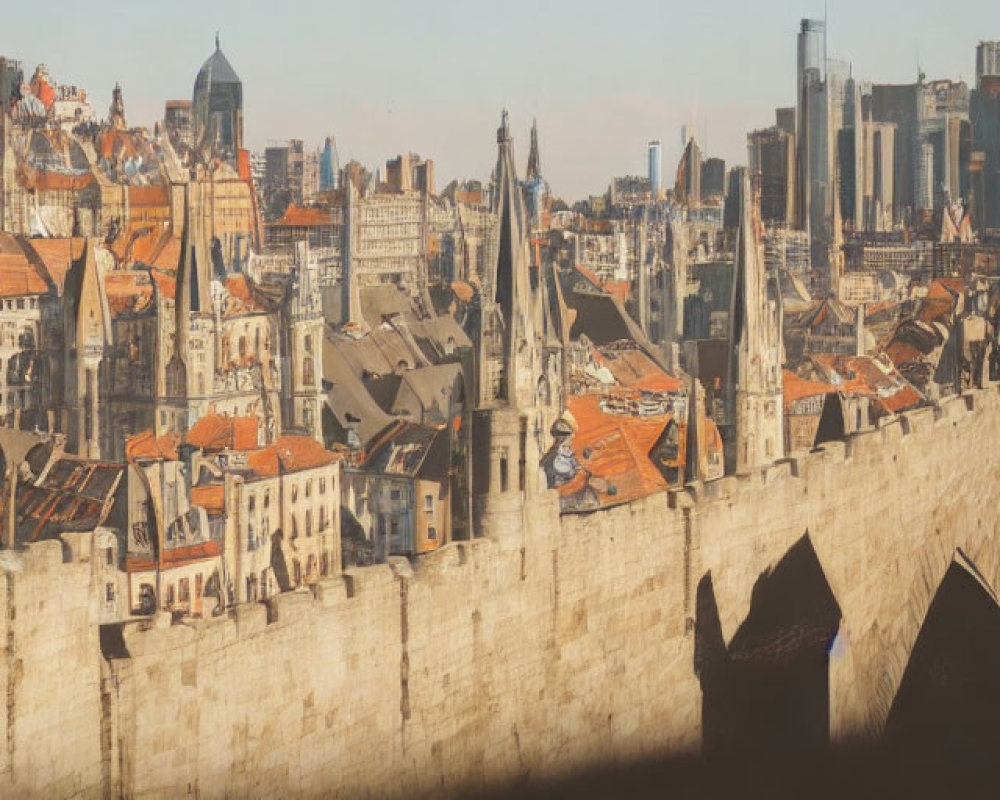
x,y
655,168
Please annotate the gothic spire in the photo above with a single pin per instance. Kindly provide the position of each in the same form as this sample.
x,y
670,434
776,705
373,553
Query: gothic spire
x,y
534,159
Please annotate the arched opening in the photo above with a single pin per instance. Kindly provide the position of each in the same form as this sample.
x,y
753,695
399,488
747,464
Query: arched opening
x,y
767,692
945,711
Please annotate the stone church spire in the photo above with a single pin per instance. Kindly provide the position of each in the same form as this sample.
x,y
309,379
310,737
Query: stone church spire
x,y
534,159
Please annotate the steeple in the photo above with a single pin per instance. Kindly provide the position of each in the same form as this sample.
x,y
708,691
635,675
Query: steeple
x,y
534,160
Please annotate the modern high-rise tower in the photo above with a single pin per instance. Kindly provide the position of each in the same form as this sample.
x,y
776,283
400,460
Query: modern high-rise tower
x,y
655,168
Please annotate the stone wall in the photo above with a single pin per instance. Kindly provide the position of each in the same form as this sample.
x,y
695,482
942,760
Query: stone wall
x,y
558,644
50,669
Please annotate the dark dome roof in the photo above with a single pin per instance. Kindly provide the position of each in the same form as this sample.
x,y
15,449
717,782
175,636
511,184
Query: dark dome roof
x,y
216,70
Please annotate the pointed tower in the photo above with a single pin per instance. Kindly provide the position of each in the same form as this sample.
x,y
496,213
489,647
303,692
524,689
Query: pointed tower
x,y
519,366
302,343
116,114
533,182
190,377
757,349
86,331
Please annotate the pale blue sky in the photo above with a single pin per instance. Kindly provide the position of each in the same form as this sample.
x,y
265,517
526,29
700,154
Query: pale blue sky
x,y
387,76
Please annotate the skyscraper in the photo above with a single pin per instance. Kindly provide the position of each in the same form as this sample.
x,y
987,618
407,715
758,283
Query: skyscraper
x,y
655,167
813,159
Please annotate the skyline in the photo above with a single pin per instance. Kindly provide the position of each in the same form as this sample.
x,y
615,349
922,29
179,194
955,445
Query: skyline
x,y
599,92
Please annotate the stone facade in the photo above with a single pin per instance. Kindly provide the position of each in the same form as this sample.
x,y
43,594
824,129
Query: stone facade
x,y
573,644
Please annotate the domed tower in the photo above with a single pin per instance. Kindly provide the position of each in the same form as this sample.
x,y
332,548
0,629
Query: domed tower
x,y
218,106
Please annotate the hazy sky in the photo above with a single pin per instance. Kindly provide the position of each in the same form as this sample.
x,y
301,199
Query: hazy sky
x,y
431,76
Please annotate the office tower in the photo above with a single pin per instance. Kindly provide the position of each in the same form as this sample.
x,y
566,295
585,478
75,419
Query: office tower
x,y
655,167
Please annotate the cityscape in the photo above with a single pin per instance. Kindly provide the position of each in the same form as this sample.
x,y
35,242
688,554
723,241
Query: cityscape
x,y
323,478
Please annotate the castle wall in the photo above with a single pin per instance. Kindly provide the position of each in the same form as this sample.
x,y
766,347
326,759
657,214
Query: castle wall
x,y
50,671
557,644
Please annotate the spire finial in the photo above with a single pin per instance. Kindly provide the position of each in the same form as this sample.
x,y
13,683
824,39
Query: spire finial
x,y
503,133
217,45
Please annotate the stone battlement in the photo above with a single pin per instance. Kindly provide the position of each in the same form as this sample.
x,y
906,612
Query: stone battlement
x,y
569,642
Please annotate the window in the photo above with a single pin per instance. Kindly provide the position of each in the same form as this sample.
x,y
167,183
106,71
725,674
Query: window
x,y
295,492
109,556
432,534
394,495
309,523
308,373
251,503
322,485
267,498
307,344
184,591
295,528
263,584
429,503
298,571
309,488
503,473
359,504
109,592
170,595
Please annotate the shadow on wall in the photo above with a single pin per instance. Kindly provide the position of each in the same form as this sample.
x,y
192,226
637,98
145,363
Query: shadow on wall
x,y
767,693
765,703
946,710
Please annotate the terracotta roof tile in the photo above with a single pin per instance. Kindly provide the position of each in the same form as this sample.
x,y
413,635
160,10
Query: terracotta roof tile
x,y
214,432
795,388
146,446
615,450
290,454
295,216
57,256
128,292
212,498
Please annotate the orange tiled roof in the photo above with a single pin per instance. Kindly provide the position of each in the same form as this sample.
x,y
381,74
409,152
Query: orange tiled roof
x,y
128,292
18,276
240,290
145,445
795,388
636,370
212,498
166,283
57,255
295,216
290,454
41,180
215,432
618,448
862,376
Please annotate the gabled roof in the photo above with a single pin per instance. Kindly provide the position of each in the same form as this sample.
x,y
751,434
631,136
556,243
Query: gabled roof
x,y
18,275
870,376
795,388
406,448
215,432
290,454
56,256
74,496
145,446
613,452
